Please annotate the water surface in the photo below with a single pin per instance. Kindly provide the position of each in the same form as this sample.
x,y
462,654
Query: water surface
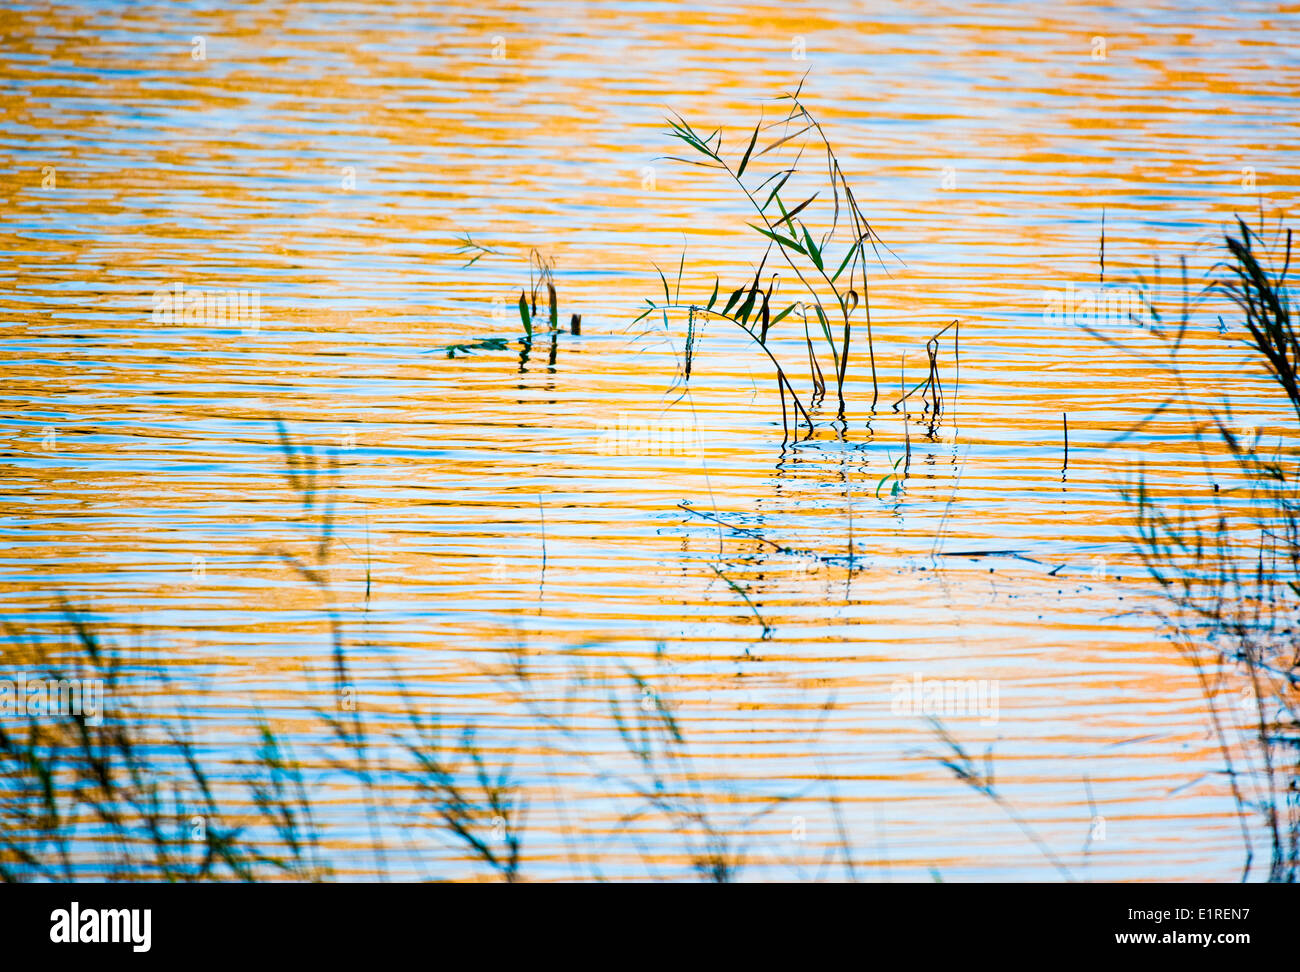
x,y
495,508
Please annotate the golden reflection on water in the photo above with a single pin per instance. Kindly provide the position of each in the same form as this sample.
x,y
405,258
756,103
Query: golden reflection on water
x,y
328,156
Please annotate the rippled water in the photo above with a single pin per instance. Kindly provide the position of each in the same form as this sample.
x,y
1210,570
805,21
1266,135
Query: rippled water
x,y
493,505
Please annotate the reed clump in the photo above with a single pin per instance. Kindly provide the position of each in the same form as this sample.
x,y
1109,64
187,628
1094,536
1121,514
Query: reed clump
x,y
143,796
134,780
1229,566
829,265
